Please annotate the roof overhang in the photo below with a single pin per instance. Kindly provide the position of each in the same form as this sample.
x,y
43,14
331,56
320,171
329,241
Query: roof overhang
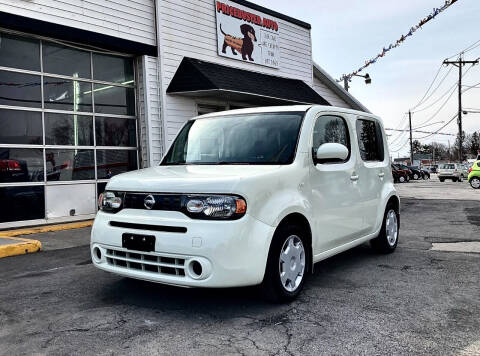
x,y
74,35
196,78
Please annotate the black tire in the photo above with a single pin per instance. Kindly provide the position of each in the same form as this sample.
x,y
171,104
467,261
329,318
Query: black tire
x,y
454,180
475,181
381,242
442,179
272,287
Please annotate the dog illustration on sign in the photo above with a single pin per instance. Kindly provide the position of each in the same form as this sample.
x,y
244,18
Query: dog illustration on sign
x,y
243,45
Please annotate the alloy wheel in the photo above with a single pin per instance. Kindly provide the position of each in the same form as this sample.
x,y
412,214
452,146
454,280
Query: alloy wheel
x,y
292,263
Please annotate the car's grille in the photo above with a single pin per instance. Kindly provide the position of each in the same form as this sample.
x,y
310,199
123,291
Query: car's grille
x,y
146,262
171,202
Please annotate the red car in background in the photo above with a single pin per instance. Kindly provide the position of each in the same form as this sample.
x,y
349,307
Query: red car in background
x,y
400,175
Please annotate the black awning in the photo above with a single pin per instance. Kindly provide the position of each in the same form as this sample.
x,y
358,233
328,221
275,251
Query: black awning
x,y
205,79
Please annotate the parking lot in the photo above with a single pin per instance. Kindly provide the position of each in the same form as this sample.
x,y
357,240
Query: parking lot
x,y
415,301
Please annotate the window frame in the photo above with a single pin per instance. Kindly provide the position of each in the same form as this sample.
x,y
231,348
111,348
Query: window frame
x,y
349,141
378,136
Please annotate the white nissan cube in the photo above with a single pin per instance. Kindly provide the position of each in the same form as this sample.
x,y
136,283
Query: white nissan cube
x,y
251,197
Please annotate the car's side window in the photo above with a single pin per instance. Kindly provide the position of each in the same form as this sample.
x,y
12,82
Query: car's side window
x,y
330,129
370,140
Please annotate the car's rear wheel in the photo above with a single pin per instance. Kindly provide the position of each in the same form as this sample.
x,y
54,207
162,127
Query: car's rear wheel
x,y
401,179
475,183
415,176
387,240
286,266
454,180
442,179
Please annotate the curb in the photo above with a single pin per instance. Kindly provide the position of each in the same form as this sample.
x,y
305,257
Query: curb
x,y
18,246
21,246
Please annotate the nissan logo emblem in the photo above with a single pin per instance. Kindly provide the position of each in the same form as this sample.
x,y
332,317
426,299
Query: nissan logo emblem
x,y
149,202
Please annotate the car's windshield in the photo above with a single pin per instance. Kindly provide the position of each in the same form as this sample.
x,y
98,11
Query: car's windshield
x,y
447,166
262,138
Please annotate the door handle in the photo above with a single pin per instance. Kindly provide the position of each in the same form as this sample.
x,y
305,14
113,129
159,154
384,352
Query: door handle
x,y
354,178
381,174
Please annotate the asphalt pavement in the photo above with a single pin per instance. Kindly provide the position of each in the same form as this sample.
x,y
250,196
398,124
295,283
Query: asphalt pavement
x,y
415,301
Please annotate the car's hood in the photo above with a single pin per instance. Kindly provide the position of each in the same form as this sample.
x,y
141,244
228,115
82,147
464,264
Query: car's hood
x,y
188,178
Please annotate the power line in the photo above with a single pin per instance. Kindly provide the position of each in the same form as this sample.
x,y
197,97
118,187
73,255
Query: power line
x,y
412,30
444,94
430,87
468,49
441,128
433,92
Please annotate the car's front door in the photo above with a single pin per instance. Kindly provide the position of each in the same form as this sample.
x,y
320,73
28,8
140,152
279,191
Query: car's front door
x,y
372,168
334,187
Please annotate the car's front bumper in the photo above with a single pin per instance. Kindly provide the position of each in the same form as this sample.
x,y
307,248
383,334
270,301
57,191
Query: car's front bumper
x,y
231,253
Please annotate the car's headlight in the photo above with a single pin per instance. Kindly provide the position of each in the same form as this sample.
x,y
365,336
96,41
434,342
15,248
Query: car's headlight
x,y
110,201
215,206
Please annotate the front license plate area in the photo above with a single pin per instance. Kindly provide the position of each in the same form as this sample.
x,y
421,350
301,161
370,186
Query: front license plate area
x,y
145,243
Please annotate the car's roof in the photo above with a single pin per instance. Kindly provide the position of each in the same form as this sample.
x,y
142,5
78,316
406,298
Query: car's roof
x,y
287,108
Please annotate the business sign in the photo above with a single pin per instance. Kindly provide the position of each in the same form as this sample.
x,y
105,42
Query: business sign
x,y
246,35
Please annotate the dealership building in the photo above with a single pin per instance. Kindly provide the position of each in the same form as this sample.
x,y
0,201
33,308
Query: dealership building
x,y
90,89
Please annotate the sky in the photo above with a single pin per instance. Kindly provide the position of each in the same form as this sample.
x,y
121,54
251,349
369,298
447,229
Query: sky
x,y
345,33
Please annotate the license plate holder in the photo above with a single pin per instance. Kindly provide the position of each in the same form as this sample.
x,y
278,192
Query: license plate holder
x,y
145,243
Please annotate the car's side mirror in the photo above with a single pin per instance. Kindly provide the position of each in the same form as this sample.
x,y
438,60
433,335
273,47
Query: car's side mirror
x,y
331,152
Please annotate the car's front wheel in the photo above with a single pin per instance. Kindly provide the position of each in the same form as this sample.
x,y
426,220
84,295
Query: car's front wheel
x,y
475,183
286,266
415,176
401,179
387,239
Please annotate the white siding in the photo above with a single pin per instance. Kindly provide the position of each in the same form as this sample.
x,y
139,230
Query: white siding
x,y
127,19
328,94
187,28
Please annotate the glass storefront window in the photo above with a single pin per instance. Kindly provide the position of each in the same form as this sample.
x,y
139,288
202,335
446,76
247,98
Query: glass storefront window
x,y
21,165
72,62
69,164
114,100
111,131
113,69
19,52
64,129
21,127
13,201
66,115
113,162
19,89
64,94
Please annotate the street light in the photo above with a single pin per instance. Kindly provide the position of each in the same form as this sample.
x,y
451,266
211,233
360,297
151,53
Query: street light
x,y
346,79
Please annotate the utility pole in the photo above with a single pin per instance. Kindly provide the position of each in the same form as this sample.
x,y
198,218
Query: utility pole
x,y
460,63
411,142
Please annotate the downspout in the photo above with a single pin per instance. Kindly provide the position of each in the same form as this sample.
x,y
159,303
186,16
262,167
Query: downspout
x,y
160,93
